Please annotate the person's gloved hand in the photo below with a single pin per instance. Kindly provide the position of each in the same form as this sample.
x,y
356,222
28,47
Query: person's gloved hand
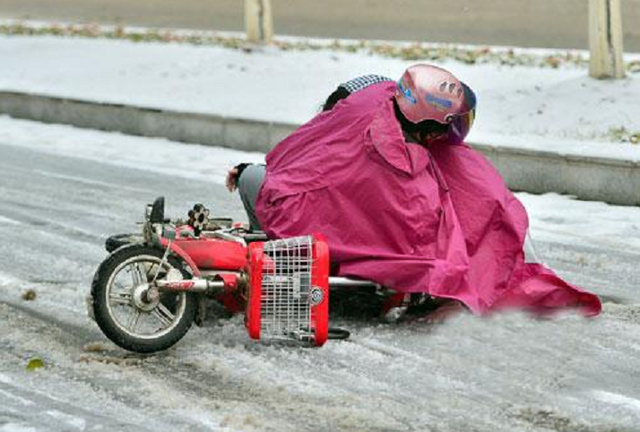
x,y
233,175
232,179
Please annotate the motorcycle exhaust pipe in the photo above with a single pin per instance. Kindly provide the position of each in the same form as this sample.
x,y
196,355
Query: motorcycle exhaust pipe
x,y
191,285
230,282
219,284
344,282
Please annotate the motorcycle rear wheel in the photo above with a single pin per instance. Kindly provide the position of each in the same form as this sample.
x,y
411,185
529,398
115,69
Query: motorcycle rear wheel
x,y
118,289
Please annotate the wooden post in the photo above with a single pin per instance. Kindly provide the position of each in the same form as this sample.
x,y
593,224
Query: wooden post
x,y
605,39
258,21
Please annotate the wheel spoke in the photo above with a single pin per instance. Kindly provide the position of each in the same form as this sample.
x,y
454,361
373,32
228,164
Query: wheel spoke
x,y
163,314
142,272
133,272
138,275
121,298
133,320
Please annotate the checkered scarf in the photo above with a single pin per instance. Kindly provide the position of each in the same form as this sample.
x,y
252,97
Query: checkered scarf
x,y
363,82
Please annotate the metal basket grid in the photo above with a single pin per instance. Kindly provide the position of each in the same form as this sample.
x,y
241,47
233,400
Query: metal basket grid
x,y
287,272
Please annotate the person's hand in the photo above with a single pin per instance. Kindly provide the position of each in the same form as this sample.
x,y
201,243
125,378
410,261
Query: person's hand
x,y
232,179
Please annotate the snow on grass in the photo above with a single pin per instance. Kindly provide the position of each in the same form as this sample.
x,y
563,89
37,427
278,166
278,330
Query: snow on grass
x,y
275,84
406,50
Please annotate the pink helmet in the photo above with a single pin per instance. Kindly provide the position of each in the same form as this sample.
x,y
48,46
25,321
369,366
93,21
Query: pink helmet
x,y
428,92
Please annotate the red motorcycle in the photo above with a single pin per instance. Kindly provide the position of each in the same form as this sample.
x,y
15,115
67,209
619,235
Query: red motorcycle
x,y
147,293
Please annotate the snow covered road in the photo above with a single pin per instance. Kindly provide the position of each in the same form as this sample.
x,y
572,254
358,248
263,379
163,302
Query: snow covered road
x,y
63,190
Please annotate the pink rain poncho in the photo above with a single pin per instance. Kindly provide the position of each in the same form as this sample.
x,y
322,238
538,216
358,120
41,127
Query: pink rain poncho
x,y
437,220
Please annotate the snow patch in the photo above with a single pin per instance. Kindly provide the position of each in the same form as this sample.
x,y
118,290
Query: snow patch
x,y
16,427
564,219
617,399
16,398
6,220
86,181
195,161
73,421
6,280
5,379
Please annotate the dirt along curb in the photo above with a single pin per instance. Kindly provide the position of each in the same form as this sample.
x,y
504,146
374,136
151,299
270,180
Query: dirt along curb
x,y
612,180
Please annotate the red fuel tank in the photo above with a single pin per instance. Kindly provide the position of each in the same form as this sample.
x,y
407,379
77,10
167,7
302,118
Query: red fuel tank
x,y
214,254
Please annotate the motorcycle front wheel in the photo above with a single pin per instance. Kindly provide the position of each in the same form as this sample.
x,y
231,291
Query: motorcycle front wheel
x,y
117,241
124,310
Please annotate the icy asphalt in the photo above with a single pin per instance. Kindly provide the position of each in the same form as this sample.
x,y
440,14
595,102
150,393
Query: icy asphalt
x,y
62,191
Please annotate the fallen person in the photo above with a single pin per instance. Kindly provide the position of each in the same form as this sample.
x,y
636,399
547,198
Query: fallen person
x,y
384,174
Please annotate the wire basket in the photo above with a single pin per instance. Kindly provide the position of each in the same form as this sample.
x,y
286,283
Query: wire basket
x,y
289,295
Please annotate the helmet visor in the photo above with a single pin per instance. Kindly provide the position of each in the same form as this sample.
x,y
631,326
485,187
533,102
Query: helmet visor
x,y
460,124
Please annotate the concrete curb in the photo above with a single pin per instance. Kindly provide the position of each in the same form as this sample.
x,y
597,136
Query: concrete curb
x,y
615,181
180,126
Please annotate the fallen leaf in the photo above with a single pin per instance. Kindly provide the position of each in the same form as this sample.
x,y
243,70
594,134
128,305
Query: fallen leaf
x,y
34,364
29,295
